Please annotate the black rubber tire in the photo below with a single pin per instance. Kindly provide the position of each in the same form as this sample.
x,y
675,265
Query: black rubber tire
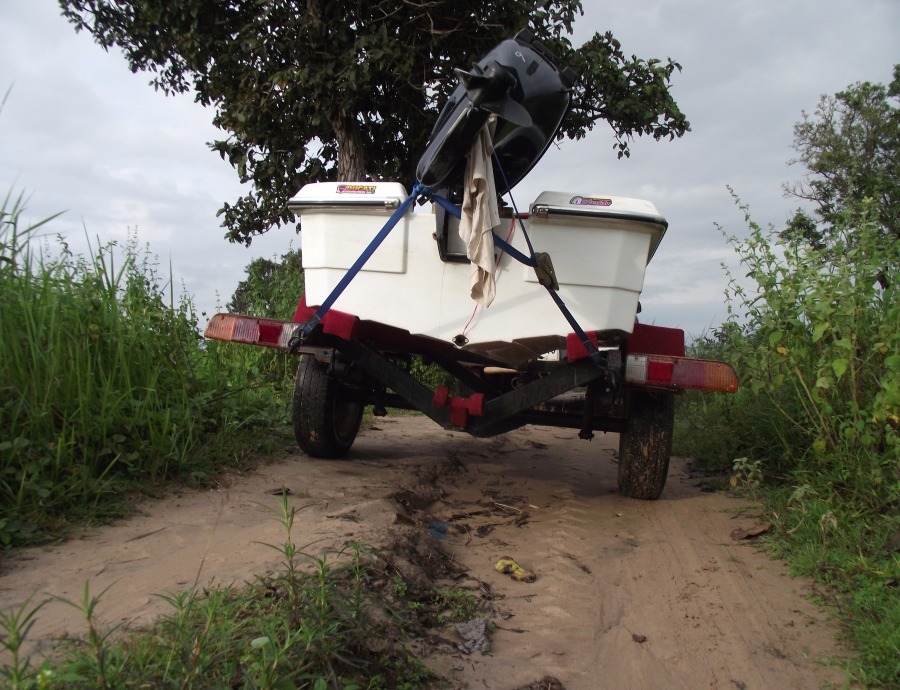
x,y
646,446
325,420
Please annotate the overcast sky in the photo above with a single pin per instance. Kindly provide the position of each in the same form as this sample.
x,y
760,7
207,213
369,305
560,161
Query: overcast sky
x,y
80,133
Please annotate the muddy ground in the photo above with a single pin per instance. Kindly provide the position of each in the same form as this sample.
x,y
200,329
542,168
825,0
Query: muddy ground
x,y
628,594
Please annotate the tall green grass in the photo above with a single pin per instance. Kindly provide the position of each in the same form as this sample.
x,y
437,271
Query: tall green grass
x,y
815,339
105,384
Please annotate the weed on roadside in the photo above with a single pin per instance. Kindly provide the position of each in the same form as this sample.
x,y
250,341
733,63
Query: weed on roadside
x,y
106,387
317,624
813,431
15,624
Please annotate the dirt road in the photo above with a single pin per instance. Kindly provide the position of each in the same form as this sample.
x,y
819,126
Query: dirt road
x,y
628,594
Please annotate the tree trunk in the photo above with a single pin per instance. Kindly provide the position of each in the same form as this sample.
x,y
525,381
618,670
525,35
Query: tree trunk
x,y
351,158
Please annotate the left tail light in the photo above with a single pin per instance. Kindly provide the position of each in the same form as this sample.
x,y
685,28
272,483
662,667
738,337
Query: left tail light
x,y
250,330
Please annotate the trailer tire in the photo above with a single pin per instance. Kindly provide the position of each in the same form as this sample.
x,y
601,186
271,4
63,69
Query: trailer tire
x,y
646,446
325,420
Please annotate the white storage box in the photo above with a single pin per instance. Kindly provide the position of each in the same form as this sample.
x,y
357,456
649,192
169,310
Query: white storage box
x,y
339,219
599,246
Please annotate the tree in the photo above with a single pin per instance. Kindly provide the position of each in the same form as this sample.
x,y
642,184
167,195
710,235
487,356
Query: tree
x,y
851,148
271,287
312,90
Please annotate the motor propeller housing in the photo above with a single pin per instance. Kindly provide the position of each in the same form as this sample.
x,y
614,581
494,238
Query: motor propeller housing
x,y
520,83
488,90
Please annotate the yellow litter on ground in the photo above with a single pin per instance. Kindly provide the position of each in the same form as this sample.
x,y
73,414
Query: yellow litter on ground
x,y
508,566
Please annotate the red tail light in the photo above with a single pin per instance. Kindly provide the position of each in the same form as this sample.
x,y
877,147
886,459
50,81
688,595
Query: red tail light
x,y
250,330
681,373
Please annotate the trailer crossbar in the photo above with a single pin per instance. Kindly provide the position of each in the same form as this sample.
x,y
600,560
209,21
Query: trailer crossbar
x,y
494,414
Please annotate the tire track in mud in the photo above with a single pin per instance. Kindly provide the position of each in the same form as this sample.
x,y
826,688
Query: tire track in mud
x,y
630,594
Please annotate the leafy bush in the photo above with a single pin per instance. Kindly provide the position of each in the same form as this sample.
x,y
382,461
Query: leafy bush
x,y
815,342
319,622
271,288
821,350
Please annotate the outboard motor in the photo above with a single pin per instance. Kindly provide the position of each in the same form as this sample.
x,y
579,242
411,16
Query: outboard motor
x,y
520,83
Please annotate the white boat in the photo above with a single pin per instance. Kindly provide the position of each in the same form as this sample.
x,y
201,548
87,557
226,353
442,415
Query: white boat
x,y
418,279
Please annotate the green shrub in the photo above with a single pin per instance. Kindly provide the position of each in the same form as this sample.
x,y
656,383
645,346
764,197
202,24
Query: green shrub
x,y
814,339
821,351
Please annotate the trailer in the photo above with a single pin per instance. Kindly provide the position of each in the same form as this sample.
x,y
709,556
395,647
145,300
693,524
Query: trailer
x,y
390,274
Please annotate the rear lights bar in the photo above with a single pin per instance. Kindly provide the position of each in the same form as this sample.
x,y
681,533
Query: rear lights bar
x,y
659,371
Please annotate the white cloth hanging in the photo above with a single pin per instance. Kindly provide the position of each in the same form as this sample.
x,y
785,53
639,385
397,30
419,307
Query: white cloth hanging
x,y
480,216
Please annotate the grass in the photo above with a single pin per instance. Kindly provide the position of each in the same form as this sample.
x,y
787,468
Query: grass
x,y
320,622
106,388
834,541
108,391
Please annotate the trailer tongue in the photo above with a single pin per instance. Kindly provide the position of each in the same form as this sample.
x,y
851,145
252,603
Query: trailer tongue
x,y
559,344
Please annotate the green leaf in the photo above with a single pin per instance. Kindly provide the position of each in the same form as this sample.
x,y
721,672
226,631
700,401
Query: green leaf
x,y
260,642
819,330
840,367
775,338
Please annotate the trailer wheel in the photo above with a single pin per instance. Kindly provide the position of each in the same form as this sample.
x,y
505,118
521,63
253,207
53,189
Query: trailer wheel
x,y
645,448
326,421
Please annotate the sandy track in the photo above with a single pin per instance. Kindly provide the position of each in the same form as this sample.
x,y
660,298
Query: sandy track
x,y
629,594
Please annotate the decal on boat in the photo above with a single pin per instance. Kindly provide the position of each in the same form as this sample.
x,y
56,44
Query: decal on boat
x,y
356,189
589,201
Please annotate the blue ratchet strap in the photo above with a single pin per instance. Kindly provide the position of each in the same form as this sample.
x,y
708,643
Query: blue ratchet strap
x,y
445,204
513,252
418,190
579,331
